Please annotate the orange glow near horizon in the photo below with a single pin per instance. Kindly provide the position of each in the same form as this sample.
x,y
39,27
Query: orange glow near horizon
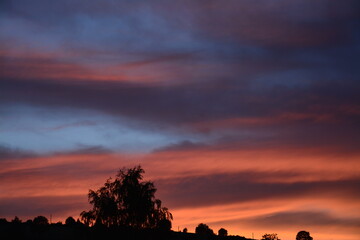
x,y
43,178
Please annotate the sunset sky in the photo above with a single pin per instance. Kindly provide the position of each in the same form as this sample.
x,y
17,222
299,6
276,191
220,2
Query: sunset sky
x,y
245,114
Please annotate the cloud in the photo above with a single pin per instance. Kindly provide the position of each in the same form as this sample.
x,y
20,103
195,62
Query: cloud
x,y
10,153
76,124
191,102
314,219
92,150
269,23
319,115
184,145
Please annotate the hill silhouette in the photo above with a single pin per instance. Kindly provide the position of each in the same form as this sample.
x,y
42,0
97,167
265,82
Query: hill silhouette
x,y
30,230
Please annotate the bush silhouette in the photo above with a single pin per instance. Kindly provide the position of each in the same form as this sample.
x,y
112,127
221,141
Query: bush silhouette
x,y
164,225
16,220
272,236
41,221
29,221
126,201
204,229
222,232
303,235
3,221
70,221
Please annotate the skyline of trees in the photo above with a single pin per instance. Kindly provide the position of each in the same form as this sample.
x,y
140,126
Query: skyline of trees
x,y
201,229
128,201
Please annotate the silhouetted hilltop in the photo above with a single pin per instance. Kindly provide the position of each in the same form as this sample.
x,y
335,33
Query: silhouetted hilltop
x,y
33,231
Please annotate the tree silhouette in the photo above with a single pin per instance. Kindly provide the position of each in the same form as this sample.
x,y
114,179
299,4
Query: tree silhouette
x,y
88,218
222,232
272,236
41,221
303,235
127,201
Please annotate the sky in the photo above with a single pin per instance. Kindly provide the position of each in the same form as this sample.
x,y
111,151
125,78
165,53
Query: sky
x,y
245,114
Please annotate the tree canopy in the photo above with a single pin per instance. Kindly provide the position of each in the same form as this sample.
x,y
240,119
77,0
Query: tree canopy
x,y
127,201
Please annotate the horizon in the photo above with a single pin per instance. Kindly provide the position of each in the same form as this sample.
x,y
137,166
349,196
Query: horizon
x,y
244,114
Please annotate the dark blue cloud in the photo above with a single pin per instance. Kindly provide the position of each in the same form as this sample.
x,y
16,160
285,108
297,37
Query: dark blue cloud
x,y
10,153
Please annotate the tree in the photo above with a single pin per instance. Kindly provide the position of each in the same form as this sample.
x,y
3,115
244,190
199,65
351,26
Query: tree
x,y
88,218
303,235
204,229
185,230
222,232
41,221
126,201
272,236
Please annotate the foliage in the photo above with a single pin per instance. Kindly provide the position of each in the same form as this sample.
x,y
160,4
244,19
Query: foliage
x,y
88,218
303,235
222,232
126,201
41,221
272,236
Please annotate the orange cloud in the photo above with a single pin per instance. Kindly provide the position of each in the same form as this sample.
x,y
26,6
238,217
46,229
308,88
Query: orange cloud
x,y
27,64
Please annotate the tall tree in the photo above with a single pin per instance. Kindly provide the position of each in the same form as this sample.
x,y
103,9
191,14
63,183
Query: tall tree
x,y
128,201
